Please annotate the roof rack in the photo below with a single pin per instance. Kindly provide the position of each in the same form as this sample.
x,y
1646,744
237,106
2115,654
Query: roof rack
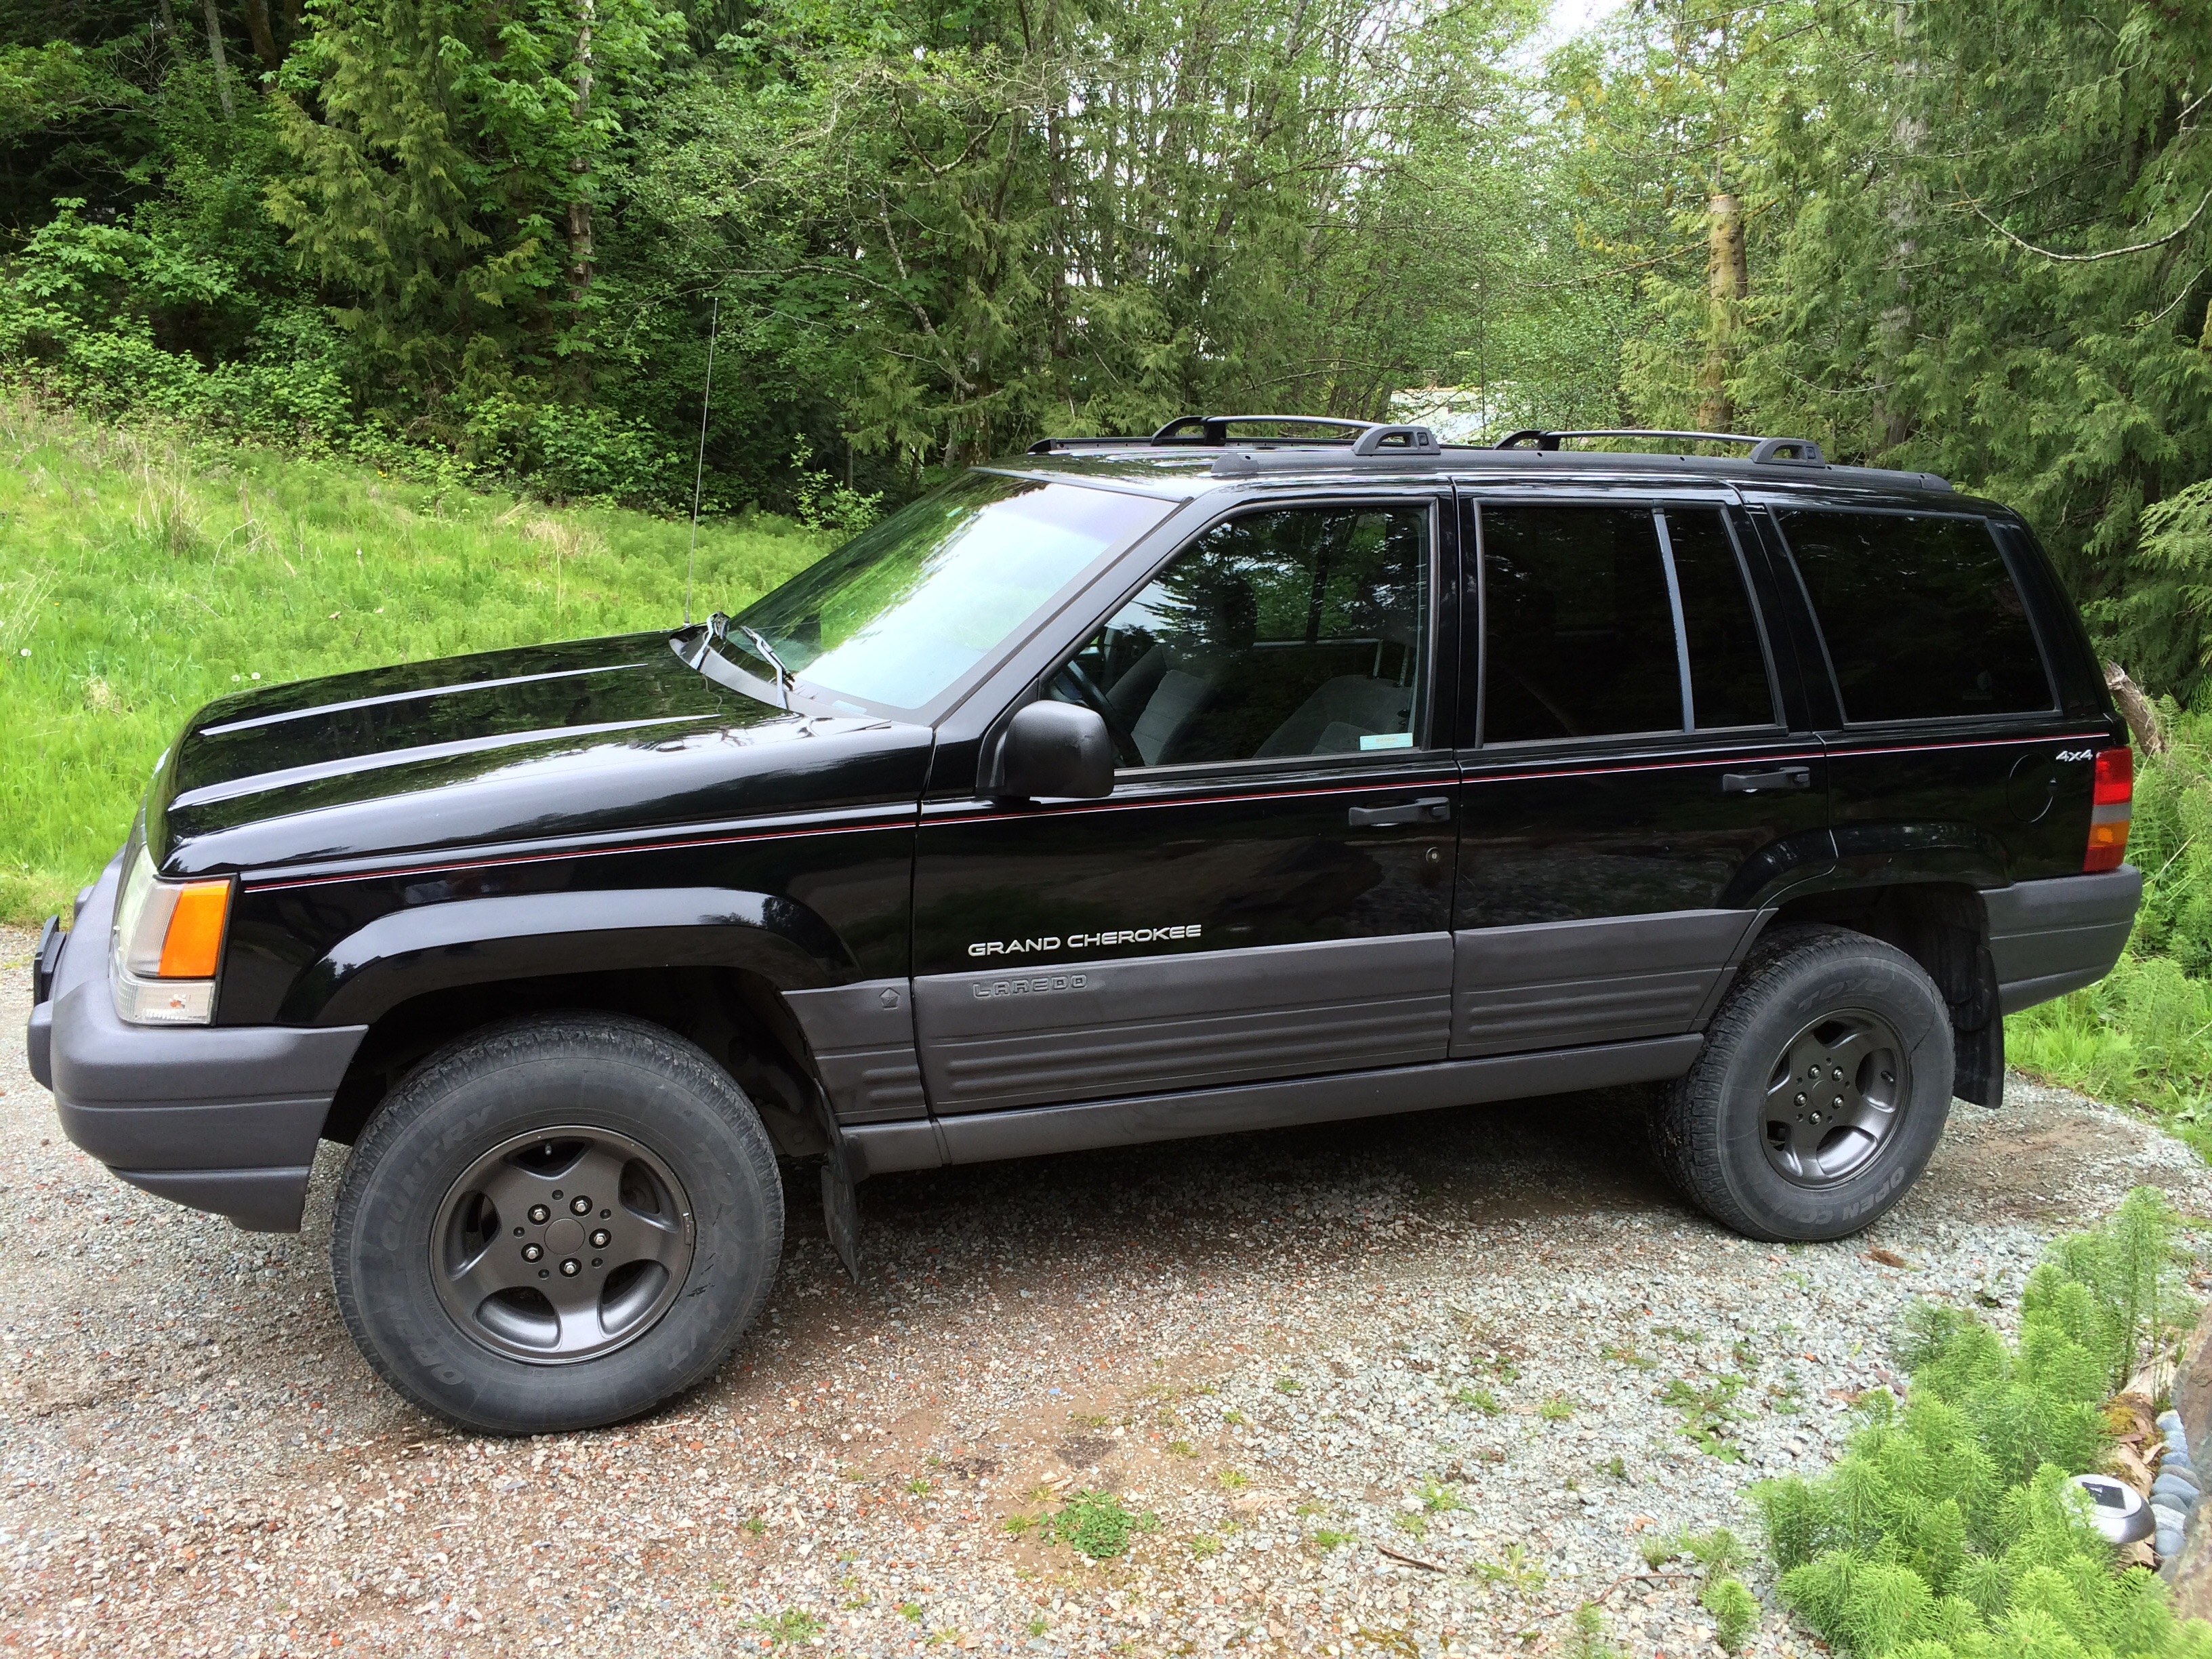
x,y
1212,432
1801,451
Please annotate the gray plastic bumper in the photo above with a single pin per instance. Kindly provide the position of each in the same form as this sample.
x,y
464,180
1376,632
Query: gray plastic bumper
x,y
2048,938
220,1118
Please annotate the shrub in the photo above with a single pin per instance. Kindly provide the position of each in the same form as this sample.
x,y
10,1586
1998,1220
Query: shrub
x,y
1950,1529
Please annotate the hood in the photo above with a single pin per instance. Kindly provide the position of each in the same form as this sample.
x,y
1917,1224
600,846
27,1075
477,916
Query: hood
x,y
514,746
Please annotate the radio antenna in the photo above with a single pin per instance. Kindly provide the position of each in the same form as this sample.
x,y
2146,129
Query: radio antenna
x,y
699,474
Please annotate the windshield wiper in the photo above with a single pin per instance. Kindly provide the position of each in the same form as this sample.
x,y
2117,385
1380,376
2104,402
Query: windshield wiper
x,y
786,681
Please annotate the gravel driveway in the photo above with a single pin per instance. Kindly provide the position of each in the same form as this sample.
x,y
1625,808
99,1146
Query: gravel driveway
x,y
1404,1388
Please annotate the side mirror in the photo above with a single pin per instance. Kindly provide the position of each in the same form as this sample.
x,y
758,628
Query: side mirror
x,y
1054,750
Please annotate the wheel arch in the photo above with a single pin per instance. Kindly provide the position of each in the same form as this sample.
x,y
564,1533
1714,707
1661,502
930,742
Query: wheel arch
x,y
1944,926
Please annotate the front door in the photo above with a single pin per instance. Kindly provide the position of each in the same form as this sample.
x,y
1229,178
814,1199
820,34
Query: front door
x,y
1639,786
1266,893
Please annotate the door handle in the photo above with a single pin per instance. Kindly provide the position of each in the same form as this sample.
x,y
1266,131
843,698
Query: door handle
x,y
1753,783
1433,809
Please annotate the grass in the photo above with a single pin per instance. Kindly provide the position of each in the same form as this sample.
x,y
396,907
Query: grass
x,y
142,575
2142,1035
1096,1525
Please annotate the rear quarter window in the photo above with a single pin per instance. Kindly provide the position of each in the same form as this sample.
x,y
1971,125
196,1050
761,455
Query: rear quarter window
x,y
1920,614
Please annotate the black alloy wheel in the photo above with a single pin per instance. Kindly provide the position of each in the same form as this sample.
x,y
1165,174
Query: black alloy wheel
x,y
1820,1093
557,1222
561,1244
1835,1097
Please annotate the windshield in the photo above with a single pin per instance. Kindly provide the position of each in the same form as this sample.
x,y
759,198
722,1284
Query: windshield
x,y
899,613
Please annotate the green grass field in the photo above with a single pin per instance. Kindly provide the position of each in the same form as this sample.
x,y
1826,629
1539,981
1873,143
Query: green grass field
x,y
140,576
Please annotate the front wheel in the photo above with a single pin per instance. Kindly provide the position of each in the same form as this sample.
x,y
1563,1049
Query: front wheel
x,y
1821,1091
557,1222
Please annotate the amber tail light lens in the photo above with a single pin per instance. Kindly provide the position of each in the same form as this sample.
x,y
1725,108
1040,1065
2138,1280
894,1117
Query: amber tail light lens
x,y
2111,804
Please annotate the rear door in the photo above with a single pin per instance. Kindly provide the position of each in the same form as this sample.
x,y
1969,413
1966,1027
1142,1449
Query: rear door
x,y
1642,777
1267,891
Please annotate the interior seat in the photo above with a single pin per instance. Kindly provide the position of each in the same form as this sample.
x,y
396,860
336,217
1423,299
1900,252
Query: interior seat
x,y
1340,713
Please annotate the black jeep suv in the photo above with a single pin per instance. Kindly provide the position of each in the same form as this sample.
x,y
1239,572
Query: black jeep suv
x,y
1251,773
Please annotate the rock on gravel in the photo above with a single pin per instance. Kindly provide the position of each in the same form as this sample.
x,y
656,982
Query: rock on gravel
x,y
1414,1387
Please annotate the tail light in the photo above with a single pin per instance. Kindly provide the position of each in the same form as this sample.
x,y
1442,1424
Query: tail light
x,y
2112,798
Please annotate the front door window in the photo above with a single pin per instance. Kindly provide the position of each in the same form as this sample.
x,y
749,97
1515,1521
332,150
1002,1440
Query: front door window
x,y
1274,636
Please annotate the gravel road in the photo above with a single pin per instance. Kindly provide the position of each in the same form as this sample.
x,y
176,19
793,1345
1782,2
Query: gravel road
x,y
1409,1388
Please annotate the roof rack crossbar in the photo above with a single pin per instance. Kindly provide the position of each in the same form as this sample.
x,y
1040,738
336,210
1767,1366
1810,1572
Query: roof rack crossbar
x,y
1801,451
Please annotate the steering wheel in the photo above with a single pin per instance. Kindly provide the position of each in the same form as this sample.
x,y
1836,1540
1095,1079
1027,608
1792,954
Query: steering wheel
x,y
1074,676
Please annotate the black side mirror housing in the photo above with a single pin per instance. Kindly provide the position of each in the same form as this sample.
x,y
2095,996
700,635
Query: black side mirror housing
x,y
1054,750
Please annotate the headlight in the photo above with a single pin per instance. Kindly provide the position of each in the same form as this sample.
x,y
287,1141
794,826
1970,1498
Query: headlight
x,y
167,944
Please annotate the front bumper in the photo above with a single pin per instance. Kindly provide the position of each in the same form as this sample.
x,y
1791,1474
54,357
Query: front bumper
x,y
2050,936
220,1118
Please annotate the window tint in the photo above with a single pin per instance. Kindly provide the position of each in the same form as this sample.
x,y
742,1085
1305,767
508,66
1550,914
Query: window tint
x,y
1920,615
1580,634
1291,633
1727,667
901,611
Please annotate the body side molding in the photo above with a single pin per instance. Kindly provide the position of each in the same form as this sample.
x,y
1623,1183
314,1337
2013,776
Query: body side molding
x,y
1556,983
981,1137
862,1037
1014,1037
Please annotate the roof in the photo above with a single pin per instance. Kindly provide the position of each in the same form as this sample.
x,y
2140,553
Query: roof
x,y
1182,460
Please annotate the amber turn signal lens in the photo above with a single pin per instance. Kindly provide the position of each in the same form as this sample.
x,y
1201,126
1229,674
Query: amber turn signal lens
x,y
2108,846
193,944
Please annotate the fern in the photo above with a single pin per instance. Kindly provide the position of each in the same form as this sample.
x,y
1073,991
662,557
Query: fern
x,y
1950,1529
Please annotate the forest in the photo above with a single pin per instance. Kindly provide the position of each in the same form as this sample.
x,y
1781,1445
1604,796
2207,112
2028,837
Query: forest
x,y
491,238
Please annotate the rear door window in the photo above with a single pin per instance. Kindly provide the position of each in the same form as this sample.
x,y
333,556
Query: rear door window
x,y
1919,613
1604,621
1579,629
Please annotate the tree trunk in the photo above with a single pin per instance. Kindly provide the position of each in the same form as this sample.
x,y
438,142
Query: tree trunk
x,y
1728,280
579,202
165,19
2134,708
264,37
222,62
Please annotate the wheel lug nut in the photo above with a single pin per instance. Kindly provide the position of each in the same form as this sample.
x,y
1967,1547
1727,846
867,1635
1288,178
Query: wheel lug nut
x,y
540,1214
583,1205
1836,1074
601,1239
571,1267
1800,1100
531,1252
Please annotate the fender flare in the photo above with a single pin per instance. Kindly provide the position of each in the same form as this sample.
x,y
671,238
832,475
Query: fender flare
x,y
477,941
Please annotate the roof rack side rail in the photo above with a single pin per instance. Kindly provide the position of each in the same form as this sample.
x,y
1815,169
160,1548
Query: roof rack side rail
x,y
1214,429
1059,446
1799,451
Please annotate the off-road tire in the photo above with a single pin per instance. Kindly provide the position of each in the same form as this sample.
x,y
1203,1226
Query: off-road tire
x,y
627,1077
1709,1131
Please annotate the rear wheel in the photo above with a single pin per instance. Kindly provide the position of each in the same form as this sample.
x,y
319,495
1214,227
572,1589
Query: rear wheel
x,y
1821,1091
557,1222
